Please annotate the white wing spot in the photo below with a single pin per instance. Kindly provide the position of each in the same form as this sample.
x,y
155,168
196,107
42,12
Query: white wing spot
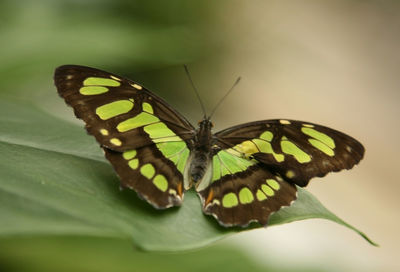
x,y
104,132
290,174
116,141
69,77
284,122
172,192
326,163
348,148
115,78
136,86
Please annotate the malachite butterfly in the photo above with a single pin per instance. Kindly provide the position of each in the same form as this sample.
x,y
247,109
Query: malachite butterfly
x,y
242,174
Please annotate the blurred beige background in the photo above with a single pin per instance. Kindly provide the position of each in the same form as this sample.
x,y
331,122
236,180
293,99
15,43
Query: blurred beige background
x,y
332,62
335,63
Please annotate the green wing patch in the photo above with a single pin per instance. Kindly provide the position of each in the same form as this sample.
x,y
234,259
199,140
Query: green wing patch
x,y
226,162
176,152
298,151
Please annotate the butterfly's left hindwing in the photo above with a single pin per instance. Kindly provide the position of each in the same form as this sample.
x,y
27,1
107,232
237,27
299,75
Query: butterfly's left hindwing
x,y
297,150
126,119
155,177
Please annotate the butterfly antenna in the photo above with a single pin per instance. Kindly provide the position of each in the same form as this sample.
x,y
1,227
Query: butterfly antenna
x,y
225,96
195,90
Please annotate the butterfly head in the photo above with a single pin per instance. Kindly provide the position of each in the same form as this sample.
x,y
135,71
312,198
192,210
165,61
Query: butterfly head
x,y
205,124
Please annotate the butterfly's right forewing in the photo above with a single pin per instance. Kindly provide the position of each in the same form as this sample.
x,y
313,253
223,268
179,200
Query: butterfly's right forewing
x,y
297,150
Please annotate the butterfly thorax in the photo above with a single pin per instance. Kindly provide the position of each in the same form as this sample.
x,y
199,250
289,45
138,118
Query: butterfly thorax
x,y
202,151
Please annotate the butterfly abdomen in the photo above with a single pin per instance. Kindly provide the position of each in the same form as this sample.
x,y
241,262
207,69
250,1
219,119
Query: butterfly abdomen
x,y
202,150
199,164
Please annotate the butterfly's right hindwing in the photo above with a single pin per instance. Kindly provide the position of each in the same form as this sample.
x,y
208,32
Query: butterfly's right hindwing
x,y
242,191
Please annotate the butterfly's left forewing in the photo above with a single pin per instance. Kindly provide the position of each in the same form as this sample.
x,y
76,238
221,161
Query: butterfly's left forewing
x,y
147,142
118,112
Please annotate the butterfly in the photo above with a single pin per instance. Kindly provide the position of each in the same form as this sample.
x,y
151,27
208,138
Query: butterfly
x,y
242,174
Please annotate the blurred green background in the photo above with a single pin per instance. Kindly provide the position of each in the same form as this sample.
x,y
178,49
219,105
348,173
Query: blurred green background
x,y
330,62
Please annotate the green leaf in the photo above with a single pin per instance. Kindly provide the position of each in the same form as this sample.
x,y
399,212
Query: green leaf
x,y
54,180
76,254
